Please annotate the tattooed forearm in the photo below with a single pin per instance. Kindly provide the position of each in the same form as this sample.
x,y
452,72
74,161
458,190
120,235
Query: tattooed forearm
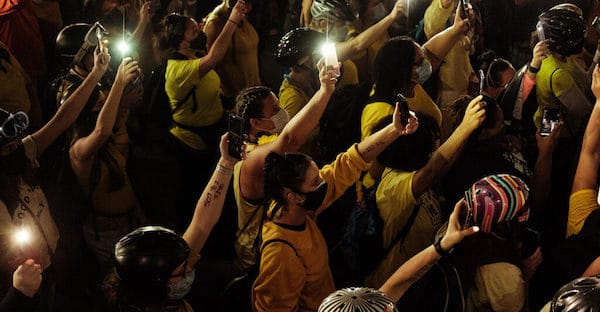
x,y
214,192
372,147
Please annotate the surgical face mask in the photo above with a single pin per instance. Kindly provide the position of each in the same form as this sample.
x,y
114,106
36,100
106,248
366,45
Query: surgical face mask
x,y
179,289
339,33
424,71
314,199
378,12
279,120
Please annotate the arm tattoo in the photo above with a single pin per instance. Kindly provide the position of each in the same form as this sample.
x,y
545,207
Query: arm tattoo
x,y
215,191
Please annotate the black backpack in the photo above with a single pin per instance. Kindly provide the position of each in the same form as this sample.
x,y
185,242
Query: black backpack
x,y
361,247
339,127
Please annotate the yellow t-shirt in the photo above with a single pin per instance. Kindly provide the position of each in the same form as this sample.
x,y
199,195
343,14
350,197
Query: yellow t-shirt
x,y
420,102
239,67
180,77
349,76
396,202
581,204
563,76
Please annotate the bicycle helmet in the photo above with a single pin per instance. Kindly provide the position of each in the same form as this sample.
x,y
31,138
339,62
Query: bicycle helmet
x,y
74,41
296,44
565,30
149,254
495,199
333,11
581,294
356,299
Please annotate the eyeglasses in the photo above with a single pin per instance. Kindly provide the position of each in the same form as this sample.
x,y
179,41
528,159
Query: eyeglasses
x,y
14,125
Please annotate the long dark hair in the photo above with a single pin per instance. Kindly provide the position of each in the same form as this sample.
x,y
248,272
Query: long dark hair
x,y
393,67
173,32
288,170
410,152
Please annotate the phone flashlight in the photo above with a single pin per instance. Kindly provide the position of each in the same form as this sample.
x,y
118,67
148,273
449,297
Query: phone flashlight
x,y
22,236
124,47
330,55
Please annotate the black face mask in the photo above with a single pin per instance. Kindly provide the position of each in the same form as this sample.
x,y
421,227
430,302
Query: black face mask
x,y
314,199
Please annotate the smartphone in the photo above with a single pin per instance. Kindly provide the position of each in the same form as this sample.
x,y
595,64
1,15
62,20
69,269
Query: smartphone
x,y
404,112
481,81
596,25
331,59
236,135
464,8
540,31
550,117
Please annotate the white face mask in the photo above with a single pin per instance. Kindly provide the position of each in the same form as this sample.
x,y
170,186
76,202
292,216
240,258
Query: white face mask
x,y
279,121
424,71
378,12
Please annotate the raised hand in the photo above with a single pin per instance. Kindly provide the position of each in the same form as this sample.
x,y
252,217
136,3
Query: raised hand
x,y
540,52
27,278
400,9
411,127
128,70
455,232
327,76
238,12
474,114
101,59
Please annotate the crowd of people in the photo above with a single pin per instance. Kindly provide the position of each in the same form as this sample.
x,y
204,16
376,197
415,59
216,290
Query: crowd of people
x,y
165,155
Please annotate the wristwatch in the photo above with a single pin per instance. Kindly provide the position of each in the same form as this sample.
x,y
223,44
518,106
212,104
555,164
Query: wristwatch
x,y
438,247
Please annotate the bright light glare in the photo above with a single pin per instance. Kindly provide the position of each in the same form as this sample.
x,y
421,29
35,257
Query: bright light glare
x,y
22,236
328,48
123,47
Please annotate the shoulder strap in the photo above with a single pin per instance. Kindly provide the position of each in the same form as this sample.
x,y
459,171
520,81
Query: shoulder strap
x,y
404,231
277,240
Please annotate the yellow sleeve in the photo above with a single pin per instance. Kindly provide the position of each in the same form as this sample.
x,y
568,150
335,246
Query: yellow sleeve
x,y
371,115
291,100
435,18
581,204
344,171
280,281
180,77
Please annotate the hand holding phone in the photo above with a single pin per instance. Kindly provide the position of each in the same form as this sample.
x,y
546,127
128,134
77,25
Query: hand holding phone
x,y
404,111
540,31
236,136
331,59
550,118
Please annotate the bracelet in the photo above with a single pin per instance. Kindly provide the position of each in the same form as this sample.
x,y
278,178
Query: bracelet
x,y
230,20
224,170
438,248
533,70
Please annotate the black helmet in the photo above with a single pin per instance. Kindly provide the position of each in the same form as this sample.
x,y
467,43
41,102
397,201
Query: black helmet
x,y
356,299
333,11
565,29
296,44
149,254
581,294
76,40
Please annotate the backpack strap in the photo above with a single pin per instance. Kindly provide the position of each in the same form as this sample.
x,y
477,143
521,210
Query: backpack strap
x,y
276,240
551,75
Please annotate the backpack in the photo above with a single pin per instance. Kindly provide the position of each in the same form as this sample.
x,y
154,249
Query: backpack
x,y
362,246
339,127
441,289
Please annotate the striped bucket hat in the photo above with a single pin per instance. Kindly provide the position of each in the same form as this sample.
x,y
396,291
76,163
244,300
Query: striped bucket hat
x,y
495,199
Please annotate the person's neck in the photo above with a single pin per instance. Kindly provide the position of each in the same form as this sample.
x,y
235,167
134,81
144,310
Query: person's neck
x,y
559,57
292,215
189,52
302,80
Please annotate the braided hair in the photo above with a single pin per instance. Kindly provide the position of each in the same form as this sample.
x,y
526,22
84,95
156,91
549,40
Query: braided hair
x,y
250,104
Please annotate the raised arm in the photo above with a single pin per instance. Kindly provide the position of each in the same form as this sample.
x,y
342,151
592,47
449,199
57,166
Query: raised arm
x,y
218,47
442,159
440,44
586,176
209,206
374,144
417,266
142,25
348,49
69,110
86,147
